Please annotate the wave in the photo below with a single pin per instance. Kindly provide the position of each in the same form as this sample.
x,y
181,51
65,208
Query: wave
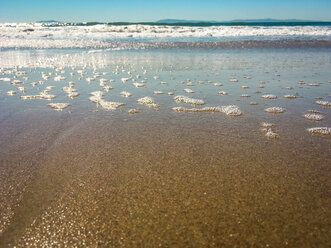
x,y
36,30
100,35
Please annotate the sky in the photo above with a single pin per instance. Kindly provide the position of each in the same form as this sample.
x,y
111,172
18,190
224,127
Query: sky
x,y
153,10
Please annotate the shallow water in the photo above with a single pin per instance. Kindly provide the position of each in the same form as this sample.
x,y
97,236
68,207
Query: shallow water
x,y
89,176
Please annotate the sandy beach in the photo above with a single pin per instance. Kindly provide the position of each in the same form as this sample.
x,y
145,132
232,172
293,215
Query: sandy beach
x,y
95,175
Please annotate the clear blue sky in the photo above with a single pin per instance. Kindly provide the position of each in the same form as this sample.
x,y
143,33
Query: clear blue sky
x,y
153,10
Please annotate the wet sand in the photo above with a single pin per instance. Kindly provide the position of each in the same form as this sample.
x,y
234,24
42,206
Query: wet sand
x,y
104,181
90,177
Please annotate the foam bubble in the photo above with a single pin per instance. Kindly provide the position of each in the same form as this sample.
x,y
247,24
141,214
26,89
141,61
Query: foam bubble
x,y
326,104
45,95
289,96
22,89
27,97
107,88
313,111
58,106
253,103
68,89
138,85
269,96
5,79
266,125
275,110
110,105
95,99
133,111
16,82
124,80
73,94
189,91
97,93
231,110
320,130
267,129
188,100
11,92
59,78
271,135
125,94
89,79
148,101
314,117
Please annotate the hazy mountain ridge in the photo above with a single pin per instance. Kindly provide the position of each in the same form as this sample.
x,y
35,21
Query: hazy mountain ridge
x,y
235,21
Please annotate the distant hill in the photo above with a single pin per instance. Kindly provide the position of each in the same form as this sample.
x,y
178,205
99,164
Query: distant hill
x,y
49,21
171,21
183,21
269,20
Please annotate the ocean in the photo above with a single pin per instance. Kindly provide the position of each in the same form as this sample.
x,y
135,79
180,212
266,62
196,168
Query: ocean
x,y
177,135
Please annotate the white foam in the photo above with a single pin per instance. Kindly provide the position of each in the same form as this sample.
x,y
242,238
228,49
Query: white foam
x,y
110,105
269,96
320,130
138,85
289,96
68,89
314,117
149,101
107,88
125,94
267,129
95,99
5,79
12,35
11,92
16,82
133,111
266,125
22,89
73,94
188,100
324,103
59,78
97,94
158,92
189,91
271,134
231,110
253,103
58,106
275,110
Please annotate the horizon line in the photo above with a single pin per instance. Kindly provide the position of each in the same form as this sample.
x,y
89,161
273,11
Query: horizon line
x,y
174,21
